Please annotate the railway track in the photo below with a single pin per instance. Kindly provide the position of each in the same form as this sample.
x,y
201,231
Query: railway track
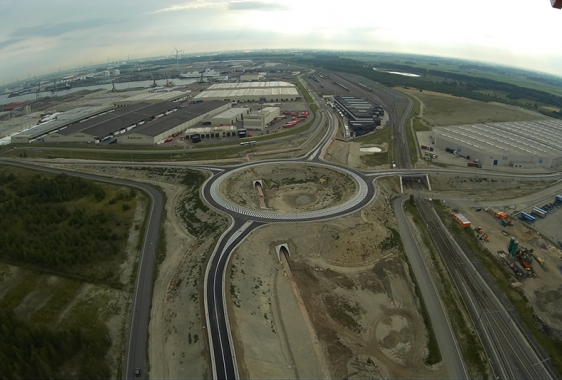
x,y
511,354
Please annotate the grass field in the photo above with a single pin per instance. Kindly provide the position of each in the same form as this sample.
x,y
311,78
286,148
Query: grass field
x,y
512,79
442,110
377,138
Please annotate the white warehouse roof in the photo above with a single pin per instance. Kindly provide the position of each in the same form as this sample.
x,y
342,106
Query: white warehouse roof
x,y
231,94
539,137
224,86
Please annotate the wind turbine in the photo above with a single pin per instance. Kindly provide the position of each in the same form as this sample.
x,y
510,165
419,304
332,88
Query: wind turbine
x,y
177,52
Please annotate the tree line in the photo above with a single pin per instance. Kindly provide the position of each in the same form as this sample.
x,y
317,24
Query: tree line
x,y
36,351
452,83
38,227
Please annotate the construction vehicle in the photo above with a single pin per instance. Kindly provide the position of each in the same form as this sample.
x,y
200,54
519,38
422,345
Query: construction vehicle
x,y
497,214
479,230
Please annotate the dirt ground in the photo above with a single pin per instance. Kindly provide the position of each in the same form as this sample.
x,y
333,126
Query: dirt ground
x,y
290,188
349,280
177,345
484,188
442,109
545,290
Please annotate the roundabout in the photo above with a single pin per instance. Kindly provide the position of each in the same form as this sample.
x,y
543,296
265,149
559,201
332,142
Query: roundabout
x,y
300,200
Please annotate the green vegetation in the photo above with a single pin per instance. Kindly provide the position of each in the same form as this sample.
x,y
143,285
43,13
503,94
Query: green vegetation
x,y
56,302
16,294
412,140
62,224
36,351
503,280
471,348
377,138
457,84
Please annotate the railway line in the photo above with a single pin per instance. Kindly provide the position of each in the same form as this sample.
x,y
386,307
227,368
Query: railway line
x,y
511,353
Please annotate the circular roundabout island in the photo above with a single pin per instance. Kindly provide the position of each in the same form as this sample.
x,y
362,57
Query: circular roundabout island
x,y
289,190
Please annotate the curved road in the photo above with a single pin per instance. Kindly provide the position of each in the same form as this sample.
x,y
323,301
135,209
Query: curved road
x,y
244,221
140,308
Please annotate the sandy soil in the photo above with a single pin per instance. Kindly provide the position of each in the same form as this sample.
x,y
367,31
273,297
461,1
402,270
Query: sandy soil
x,y
355,290
290,188
484,188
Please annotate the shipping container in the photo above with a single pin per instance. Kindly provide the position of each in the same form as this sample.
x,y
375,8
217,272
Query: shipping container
x,y
449,150
540,212
527,217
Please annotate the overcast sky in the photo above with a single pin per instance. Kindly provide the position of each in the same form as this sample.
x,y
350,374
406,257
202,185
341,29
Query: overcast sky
x,y
38,37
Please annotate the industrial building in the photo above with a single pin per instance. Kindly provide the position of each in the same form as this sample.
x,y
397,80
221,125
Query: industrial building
x,y
111,124
250,92
258,120
229,117
525,144
152,97
363,115
157,130
62,121
248,77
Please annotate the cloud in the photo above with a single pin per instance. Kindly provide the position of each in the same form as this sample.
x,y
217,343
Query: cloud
x,y
257,6
53,30
9,42
197,4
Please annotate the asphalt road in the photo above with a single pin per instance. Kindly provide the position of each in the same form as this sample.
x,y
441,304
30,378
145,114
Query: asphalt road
x,y
448,345
140,309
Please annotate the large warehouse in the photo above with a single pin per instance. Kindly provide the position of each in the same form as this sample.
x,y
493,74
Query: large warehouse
x,y
158,130
152,97
524,144
111,124
363,115
62,121
250,92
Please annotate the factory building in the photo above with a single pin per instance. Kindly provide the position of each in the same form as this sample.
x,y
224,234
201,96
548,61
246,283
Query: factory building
x,y
59,122
248,77
363,115
152,97
229,117
525,144
250,92
111,124
258,120
153,132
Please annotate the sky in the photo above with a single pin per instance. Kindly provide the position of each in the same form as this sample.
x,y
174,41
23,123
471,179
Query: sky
x,y
40,36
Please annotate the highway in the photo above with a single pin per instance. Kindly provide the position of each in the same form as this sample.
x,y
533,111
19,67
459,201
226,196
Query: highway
x,y
244,221
135,356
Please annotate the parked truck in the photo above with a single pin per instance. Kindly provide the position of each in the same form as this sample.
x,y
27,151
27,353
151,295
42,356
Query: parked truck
x,y
449,150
